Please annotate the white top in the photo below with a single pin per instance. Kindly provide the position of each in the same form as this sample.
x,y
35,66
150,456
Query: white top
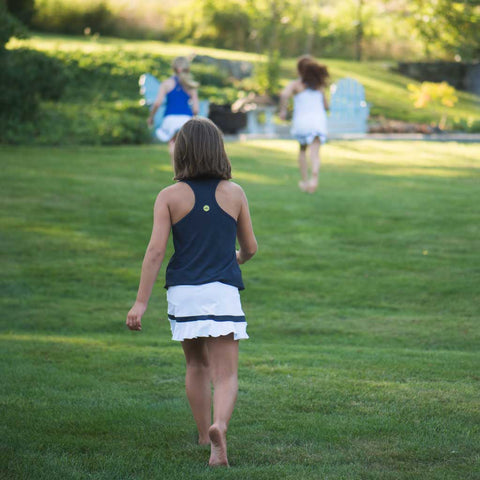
x,y
309,114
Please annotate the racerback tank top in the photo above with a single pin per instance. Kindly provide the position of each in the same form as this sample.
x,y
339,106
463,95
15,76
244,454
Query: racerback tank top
x,y
178,101
204,242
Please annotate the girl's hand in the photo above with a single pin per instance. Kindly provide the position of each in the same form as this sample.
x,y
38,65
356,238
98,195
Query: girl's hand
x,y
283,115
150,121
134,317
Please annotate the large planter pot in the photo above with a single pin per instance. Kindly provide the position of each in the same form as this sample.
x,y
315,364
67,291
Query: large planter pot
x,y
226,120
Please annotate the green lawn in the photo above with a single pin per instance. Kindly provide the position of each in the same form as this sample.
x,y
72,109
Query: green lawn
x,y
362,306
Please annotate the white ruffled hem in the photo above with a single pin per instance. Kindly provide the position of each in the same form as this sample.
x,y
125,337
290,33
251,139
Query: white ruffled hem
x,y
207,328
170,126
308,138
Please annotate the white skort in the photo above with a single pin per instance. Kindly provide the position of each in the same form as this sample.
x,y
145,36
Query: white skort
x,y
208,310
171,124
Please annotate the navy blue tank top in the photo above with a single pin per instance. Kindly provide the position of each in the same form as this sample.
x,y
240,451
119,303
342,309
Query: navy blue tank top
x,y
178,101
204,242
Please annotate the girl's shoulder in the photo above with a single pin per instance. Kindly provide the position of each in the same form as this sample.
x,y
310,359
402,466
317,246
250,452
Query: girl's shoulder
x,y
179,188
169,83
230,187
298,86
232,190
173,192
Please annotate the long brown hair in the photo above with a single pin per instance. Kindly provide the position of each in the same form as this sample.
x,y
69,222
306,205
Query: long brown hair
x,y
314,75
302,62
199,152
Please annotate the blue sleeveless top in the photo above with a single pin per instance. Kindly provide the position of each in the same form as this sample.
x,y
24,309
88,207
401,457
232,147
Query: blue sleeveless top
x,y
204,242
177,101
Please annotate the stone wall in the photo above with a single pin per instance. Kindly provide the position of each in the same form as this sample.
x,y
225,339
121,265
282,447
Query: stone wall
x,y
233,68
462,76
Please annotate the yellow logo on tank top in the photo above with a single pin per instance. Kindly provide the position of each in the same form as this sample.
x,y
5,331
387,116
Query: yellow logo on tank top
x,y
206,208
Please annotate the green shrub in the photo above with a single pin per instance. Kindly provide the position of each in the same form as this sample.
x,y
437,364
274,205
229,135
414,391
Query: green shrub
x,y
74,17
9,26
26,77
268,74
18,98
46,74
470,125
440,95
63,123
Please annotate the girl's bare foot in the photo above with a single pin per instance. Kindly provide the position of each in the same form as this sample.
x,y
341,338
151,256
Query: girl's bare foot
x,y
204,440
218,440
303,186
312,185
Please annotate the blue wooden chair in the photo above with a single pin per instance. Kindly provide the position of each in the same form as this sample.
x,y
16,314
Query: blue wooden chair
x,y
348,109
149,86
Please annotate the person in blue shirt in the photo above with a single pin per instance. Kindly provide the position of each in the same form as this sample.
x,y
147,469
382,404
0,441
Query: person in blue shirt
x,y
206,214
180,93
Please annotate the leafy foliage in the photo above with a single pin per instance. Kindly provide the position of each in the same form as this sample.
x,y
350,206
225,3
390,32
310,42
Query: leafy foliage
x,y
440,95
452,26
70,96
429,92
90,92
9,26
268,74
27,77
22,9
376,28
74,17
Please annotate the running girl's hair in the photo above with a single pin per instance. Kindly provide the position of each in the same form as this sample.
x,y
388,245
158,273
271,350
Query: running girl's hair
x,y
302,62
181,67
199,152
314,75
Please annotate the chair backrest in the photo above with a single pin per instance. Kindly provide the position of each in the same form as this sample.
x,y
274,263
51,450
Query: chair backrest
x,y
348,109
347,93
149,86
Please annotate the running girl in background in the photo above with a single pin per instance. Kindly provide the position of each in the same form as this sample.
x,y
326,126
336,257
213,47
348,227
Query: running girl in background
x,y
180,94
309,123
206,214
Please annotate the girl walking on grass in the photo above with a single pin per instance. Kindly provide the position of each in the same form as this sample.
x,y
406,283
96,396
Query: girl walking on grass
x,y
180,94
206,214
309,123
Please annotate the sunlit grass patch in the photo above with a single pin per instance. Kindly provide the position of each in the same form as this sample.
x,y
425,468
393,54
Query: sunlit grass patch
x,y
362,305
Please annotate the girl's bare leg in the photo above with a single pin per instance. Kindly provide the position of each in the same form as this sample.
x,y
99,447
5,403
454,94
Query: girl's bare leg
x,y
315,159
197,384
302,163
223,358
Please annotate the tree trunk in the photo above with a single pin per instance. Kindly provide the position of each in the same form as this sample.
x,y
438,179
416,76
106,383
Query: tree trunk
x,y
359,34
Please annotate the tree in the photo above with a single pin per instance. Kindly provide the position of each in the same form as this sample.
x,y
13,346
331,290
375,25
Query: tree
x,y
22,9
359,33
9,26
452,26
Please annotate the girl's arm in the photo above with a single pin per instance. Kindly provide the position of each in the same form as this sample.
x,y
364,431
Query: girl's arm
x,y
195,105
287,92
245,235
325,101
164,88
152,261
